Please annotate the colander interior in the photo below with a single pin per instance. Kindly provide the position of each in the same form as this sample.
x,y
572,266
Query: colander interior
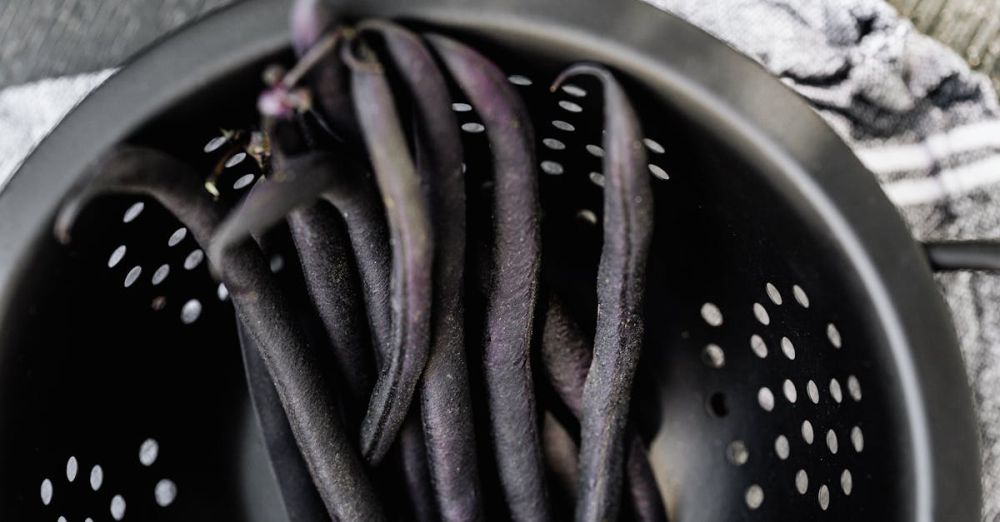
x,y
766,388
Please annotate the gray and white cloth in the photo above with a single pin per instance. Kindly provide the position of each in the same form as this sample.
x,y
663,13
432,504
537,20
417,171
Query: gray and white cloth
x,y
911,109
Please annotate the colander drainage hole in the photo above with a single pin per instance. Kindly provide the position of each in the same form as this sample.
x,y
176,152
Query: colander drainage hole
x,y
711,314
846,482
773,294
552,167
758,346
833,335
658,172
116,256
46,492
737,453
71,469
132,276
765,398
177,237
214,144
654,146
235,159
574,90
133,212
824,497
243,181
148,451
118,507
800,296
713,356
717,405
835,392
563,125
595,150
473,127
96,477
190,311
193,259
802,482
554,144
761,314
587,216
569,106
519,79
781,447
754,496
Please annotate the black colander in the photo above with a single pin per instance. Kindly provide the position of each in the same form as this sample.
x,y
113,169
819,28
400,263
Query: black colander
x,y
800,364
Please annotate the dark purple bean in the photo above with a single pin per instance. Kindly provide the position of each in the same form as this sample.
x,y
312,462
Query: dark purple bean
x,y
412,449
445,401
298,493
516,263
416,471
300,181
412,250
560,454
330,273
567,355
628,227
305,393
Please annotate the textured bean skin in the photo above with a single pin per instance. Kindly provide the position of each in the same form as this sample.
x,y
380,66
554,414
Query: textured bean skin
x,y
567,355
302,503
412,251
308,399
330,273
445,401
299,182
514,284
628,227
411,447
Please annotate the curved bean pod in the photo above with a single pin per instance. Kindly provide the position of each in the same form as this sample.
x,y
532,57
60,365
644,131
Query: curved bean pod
x,y
330,274
514,285
567,356
305,394
416,469
412,251
628,227
300,181
298,493
446,405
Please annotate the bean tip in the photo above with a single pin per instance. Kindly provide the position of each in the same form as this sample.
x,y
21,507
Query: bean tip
x,y
359,57
579,69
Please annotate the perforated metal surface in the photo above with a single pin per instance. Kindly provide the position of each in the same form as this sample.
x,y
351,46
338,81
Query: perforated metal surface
x,y
768,387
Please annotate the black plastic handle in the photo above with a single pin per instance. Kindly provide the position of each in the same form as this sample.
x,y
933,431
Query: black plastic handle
x,y
947,256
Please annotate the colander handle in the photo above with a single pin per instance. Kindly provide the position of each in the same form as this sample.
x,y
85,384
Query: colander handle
x,y
947,256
